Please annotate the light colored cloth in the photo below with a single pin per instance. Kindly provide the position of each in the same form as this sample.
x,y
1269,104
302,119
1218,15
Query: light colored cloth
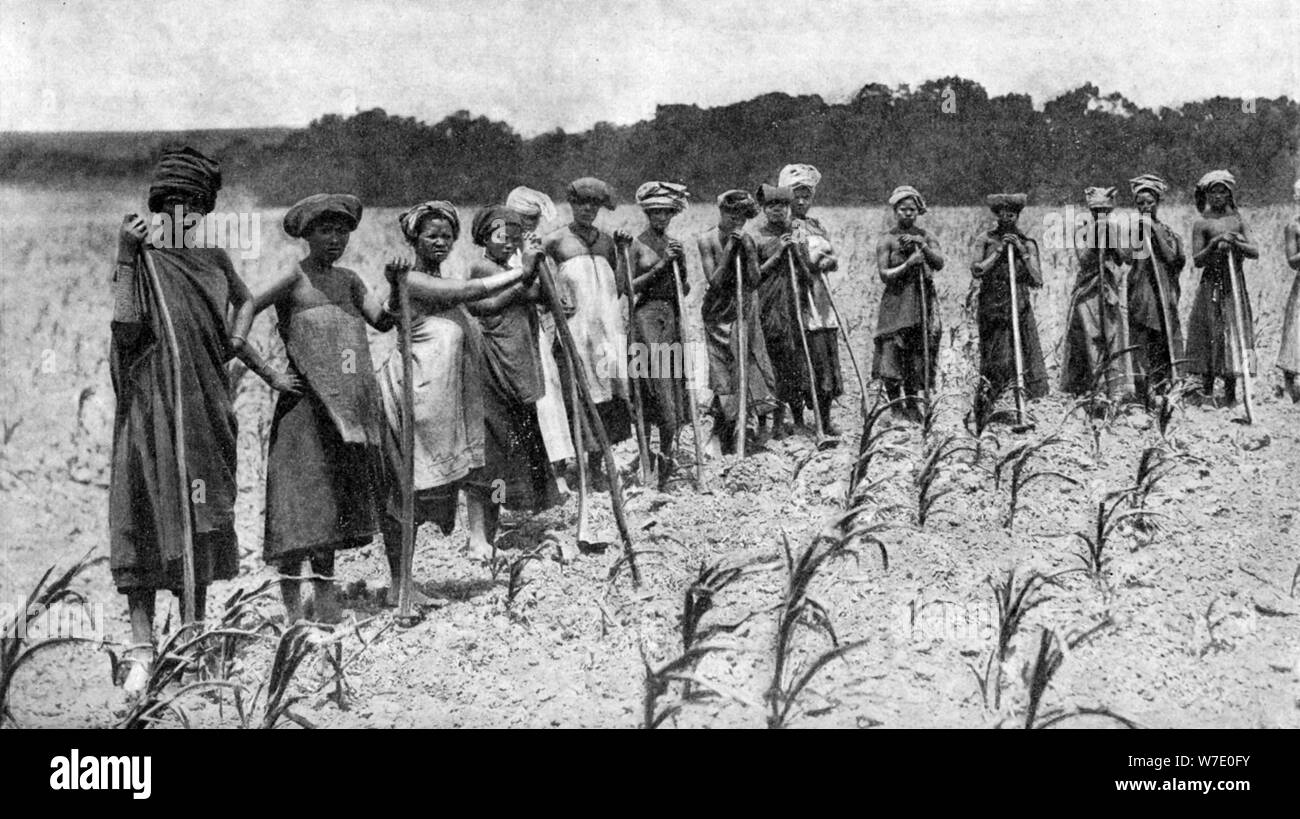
x,y
528,202
597,325
551,415
792,176
652,195
1288,355
1148,182
1211,179
1100,198
411,218
907,192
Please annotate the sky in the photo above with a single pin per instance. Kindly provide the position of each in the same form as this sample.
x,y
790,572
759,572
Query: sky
x,y
169,65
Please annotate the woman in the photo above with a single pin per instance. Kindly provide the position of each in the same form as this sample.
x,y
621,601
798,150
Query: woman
x,y
1214,339
1288,356
446,357
1154,327
657,260
152,491
324,473
514,461
720,247
537,209
905,258
587,261
1095,322
783,309
990,268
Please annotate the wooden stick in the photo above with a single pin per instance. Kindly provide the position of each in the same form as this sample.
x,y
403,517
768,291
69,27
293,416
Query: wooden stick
x,y
691,409
848,343
1015,338
1243,348
921,279
1163,294
822,440
638,405
575,416
742,350
188,583
579,382
1101,307
406,579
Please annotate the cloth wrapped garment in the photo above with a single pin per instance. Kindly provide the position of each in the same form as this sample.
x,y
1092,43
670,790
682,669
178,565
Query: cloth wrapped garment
x,y
1288,354
1148,182
998,201
146,501
773,194
739,202
997,352
907,192
528,202
588,188
658,328
185,170
298,219
668,195
412,219
1211,179
899,349
1147,316
325,469
1213,335
1099,198
797,175
1095,325
489,221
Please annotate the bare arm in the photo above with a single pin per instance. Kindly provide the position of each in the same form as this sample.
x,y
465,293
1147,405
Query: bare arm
x,y
986,258
440,292
1292,242
371,310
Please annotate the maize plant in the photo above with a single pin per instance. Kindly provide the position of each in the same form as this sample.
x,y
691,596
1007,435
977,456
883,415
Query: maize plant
x,y
699,600
1046,664
1015,463
681,669
870,444
1013,603
926,476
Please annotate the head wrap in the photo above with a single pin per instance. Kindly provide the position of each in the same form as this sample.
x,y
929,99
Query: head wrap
x,y
1216,178
738,202
528,202
185,170
792,176
1148,182
997,201
1295,190
591,189
769,194
298,220
412,218
667,195
1100,198
491,219
907,192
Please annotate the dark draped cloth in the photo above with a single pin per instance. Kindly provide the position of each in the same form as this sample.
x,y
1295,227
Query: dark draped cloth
x,y
997,351
658,327
1212,331
1146,323
1094,325
777,305
899,349
146,502
325,470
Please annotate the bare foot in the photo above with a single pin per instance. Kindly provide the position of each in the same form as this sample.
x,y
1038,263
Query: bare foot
x,y
140,666
325,602
419,599
479,551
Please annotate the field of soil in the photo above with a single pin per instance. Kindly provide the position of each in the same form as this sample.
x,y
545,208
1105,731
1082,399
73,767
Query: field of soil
x,y
1193,620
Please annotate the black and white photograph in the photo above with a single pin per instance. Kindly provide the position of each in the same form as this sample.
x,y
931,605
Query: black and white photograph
x,y
651,365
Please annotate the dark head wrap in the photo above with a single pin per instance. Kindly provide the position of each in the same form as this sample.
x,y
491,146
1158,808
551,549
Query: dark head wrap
x,y
1150,183
412,219
590,189
998,201
488,220
299,219
738,202
770,194
187,171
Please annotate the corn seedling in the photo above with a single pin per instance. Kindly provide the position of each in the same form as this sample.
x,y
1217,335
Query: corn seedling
x,y
293,647
1015,463
1211,623
699,600
797,609
926,497
1013,603
976,421
15,648
515,581
1046,664
870,444
657,682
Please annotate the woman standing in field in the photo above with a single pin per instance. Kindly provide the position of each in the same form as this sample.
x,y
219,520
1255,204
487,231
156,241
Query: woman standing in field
x,y
515,461
1288,356
447,364
587,262
1213,337
1094,324
997,352
1154,326
156,496
657,260
906,257
324,470
720,247
536,209
820,323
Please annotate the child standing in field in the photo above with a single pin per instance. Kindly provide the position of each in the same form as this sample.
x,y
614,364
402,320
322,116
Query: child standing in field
x,y
1154,325
1214,340
1095,322
722,248
1288,356
658,269
324,468
991,269
906,257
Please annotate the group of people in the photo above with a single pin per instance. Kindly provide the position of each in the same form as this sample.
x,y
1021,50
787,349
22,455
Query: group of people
x,y
497,354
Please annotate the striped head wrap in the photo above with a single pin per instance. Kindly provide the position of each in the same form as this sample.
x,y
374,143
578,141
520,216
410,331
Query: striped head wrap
x,y
299,218
903,192
667,195
1220,177
1149,182
413,218
793,176
185,170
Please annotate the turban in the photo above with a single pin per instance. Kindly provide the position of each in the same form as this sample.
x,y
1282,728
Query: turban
x,y
772,194
491,219
528,202
299,219
907,192
739,202
185,170
1216,178
1015,201
412,218
668,195
1100,198
792,176
590,189
1148,182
